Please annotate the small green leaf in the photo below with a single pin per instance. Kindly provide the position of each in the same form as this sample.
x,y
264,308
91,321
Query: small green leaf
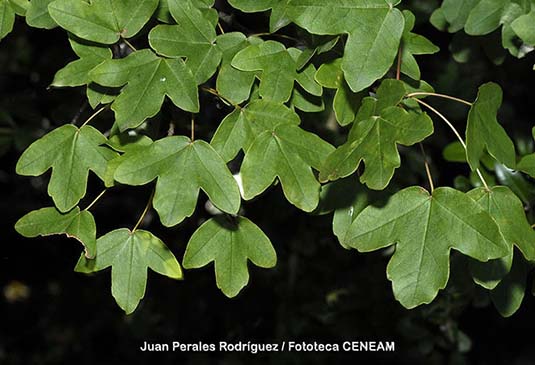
x,y
76,73
289,153
240,128
130,254
19,6
346,102
193,37
102,21
7,18
150,78
508,212
232,83
37,14
509,294
71,153
456,13
279,70
379,127
484,131
486,16
411,45
48,221
373,40
229,243
279,8
231,135
523,27
182,168
425,228
347,198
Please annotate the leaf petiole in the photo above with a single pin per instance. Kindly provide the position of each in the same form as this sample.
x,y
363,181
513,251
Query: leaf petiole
x,y
96,199
93,116
145,211
462,101
461,140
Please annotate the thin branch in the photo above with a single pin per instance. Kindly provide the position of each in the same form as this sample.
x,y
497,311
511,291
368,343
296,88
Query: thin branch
x,y
94,115
427,169
129,45
96,199
145,211
461,140
412,95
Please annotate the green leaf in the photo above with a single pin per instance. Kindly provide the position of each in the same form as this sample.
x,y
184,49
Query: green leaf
x,y
231,135
345,102
279,9
102,21
306,102
288,153
305,76
7,18
37,14
240,128
484,131
193,38
233,84
411,45
71,153
379,127
229,243
373,40
347,198
150,78
76,73
205,6
509,294
508,212
19,6
277,66
130,254
97,94
182,168
456,13
49,221
485,17
523,27
425,228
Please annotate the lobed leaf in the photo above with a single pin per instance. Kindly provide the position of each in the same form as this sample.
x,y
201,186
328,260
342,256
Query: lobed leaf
x,y
181,168
425,228
71,153
130,254
229,243
48,221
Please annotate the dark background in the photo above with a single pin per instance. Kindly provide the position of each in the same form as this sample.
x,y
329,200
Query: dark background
x,y
318,291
